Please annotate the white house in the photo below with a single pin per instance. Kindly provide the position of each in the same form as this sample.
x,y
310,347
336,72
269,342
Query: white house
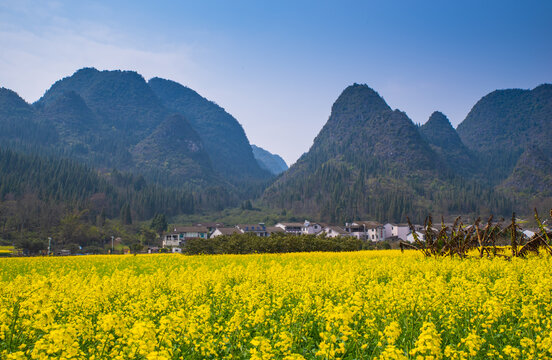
x,y
410,236
211,226
309,228
180,234
258,229
291,227
366,230
333,231
399,230
170,240
225,231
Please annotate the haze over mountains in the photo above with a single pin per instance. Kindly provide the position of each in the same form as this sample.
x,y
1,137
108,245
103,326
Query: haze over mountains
x,y
368,161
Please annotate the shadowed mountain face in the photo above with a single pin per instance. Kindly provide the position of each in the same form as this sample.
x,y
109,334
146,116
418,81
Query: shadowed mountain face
x,y
224,138
532,175
173,154
501,126
444,140
19,123
268,161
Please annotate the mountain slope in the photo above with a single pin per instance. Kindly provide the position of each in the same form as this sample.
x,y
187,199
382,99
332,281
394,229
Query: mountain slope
x,y
444,140
173,153
501,126
268,161
224,138
18,122
532,174
122,100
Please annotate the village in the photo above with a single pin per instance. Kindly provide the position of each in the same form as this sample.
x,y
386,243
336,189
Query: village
x,y
368,231
363,230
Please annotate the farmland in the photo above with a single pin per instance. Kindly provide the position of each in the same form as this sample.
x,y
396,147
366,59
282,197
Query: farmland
x,y
358,305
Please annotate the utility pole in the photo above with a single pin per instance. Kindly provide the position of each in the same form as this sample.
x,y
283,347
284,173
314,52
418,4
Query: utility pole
x,y
49,245
112,248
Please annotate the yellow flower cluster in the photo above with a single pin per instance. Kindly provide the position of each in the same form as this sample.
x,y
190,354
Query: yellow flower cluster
x,y
361,305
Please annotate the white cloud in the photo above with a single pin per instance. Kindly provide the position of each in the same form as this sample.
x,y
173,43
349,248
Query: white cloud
x,y
31,61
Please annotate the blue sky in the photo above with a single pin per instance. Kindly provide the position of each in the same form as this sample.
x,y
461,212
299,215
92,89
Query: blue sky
x,y
278,66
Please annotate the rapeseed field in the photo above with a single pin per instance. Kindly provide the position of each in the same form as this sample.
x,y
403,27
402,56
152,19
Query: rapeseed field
x,y
361,305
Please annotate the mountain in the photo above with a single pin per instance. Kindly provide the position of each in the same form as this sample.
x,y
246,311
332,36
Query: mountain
x,y
370,161
501,126
173,153
122,100
268,161
532,174
224,138
100,115
19,123
444,140
362,125
115,120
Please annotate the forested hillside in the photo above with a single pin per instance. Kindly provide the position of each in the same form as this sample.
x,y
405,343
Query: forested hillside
x,y
370,161
38,195
224,138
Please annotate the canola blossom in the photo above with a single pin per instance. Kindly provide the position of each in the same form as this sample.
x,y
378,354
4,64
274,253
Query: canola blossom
x,y
361,305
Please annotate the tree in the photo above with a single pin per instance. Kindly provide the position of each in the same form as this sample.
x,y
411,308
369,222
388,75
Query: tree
x,y
159,223
147,235
125,214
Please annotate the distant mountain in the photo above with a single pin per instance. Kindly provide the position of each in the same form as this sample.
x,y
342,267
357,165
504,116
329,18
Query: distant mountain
x,y
370,161
444,140
268,161
224,138
501,126
173,153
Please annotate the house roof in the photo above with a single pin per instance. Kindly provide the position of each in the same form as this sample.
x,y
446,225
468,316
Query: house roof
x,y
228,230
181,229
337,229
292,224
368,224
274,229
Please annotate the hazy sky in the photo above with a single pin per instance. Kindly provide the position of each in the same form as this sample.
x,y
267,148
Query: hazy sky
x,y
278,66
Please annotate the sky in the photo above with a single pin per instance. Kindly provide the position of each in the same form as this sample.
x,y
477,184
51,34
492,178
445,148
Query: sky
x,y
278,66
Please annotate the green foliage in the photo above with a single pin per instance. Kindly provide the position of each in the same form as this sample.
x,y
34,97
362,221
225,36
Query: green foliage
x,y
276,243
125,216
159,223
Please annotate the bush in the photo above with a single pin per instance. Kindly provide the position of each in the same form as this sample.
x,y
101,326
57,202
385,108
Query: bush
x,y
276,243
